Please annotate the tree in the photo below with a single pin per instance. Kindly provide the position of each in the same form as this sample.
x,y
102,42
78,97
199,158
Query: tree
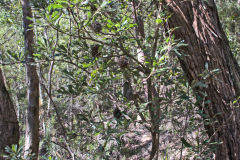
x,y
211,69
9,129
116,77
32,118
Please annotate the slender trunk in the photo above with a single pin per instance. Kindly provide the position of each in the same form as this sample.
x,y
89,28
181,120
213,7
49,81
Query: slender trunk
x,y
9,128
151,94
50,86
32,118
208,49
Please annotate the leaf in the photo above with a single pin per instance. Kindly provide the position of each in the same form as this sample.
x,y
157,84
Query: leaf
x,y
159,21
104,4
63,48
85,2
185,143
49,7
206,66
56,18
14,148
132,25
55,13
61,1
124,23
200,84
86,65
57,6
89,14
215,71
181,44
37,55
178,53
96,134
82,117
234,102
164,48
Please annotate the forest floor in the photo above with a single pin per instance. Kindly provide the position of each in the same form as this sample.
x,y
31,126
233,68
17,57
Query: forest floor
x,y
138,143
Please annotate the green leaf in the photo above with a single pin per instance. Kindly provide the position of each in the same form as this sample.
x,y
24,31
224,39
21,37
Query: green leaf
x,y
132,25
14,148
185,143
49,7
104,4
200,84
206,66
86,65
177,53
89,15
96,134
57,6
215,71
54,13
159,21
124,23
63,48
181,44
37,55
61,1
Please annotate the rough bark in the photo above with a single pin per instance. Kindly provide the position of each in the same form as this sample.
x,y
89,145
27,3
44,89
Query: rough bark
x,y
9,128
208,49
32,118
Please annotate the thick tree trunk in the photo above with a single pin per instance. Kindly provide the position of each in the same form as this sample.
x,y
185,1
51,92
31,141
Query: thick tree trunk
x,y
208,49
9,129
32,118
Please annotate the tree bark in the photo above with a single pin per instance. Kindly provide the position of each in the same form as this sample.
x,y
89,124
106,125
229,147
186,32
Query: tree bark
x,y
208,49
9,128
32,118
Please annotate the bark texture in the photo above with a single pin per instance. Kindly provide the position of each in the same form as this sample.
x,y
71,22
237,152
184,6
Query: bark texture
x,y
208,49
32,118
9,129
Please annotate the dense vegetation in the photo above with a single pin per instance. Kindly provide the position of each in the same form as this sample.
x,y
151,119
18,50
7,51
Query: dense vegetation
x,y
93,79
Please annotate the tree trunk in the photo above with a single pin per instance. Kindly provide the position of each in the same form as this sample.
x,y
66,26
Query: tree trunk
x,y
208,49
152,97
32,118
9,129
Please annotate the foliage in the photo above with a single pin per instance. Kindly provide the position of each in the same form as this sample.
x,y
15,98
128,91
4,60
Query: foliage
x,y
84,41
16,152
229,12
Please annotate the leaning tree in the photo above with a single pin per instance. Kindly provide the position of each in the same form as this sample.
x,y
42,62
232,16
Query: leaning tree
x,y
212,70
9,128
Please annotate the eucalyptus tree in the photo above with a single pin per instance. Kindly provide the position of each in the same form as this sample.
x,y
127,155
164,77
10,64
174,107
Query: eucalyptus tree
x,y
211,69
9,128
32,117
